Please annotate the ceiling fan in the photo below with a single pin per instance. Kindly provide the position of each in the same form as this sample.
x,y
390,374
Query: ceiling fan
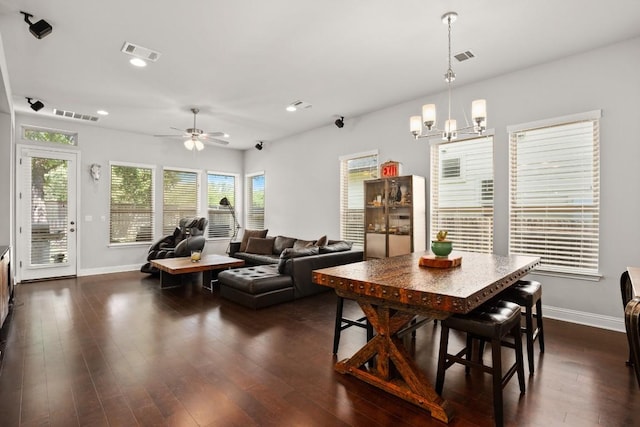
x,y
194,137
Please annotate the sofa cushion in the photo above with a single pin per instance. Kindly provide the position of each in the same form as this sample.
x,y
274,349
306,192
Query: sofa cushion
x,y
321,241
259,245
250,233
295,253
281,243
255,280
301,244
336,246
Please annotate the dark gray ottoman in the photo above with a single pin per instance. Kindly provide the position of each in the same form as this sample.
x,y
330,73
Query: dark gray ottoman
x,y
256,287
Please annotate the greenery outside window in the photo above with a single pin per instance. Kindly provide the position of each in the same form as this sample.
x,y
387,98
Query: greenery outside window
x,y
463,206
221,221
131,209
180,197
354,170
554,198
32,133
255,201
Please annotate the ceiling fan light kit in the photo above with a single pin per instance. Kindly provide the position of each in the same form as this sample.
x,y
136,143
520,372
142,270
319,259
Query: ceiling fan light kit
x,y
195,138
428,118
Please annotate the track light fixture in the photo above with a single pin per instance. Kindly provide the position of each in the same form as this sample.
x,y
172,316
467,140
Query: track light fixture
x,y
259,145
35,106
39,29
340,122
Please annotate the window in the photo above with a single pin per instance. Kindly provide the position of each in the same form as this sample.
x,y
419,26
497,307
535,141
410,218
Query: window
x,y
354,170
222,222
131,211
463,206
554,198
255,201
32,133
180,197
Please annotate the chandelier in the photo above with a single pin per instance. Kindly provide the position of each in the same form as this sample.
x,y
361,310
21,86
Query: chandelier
x,y
428,119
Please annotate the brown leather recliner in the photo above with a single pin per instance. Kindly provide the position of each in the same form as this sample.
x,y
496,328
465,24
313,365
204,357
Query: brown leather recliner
x,y
189,236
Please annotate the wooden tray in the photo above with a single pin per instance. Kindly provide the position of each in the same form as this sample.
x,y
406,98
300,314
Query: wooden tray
x,y
440,262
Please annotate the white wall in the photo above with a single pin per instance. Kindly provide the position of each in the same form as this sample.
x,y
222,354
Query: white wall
x,y
100,145
302,172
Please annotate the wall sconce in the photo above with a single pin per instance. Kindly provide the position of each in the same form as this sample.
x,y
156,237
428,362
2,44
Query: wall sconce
x,y
95,171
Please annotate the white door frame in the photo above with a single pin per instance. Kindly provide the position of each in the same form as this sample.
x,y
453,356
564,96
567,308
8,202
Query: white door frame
x,y
21,254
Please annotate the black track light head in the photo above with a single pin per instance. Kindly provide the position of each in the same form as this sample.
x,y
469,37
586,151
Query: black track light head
x,y
39,29
340,122
35,106
259,145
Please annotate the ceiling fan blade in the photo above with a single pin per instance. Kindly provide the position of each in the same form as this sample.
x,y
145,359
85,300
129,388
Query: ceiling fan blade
x,y
214,134
178,129
216,140
170,136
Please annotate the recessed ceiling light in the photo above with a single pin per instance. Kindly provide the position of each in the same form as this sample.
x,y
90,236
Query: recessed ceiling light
x,y
291,108
226,135
103,112
138,62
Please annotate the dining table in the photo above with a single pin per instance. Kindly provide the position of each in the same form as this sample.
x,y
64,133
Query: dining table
x,y
392,291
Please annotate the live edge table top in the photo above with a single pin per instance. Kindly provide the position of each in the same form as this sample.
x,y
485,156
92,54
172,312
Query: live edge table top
x,y
184,265
401,283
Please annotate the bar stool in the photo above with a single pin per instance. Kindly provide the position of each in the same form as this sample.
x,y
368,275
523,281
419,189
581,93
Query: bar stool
x,y
493,322
343,323
527,293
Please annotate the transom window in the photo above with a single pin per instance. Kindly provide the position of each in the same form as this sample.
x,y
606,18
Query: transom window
x,y
554,199
33,133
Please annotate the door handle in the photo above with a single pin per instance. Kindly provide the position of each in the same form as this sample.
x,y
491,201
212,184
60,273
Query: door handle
x,y
72,230
72,222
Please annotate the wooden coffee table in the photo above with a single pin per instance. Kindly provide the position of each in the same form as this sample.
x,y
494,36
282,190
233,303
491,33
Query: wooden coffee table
x,y
173,271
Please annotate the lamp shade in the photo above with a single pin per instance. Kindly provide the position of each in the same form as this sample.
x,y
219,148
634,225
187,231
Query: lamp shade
x,y
479,110
199,145
415,125
188,144
224,202
429,115
450,126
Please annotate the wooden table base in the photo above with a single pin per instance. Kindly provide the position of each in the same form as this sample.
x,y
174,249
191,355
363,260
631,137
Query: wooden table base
x,y
412,386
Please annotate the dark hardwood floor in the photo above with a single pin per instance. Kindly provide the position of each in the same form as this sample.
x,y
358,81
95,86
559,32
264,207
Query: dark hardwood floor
x,y
116,350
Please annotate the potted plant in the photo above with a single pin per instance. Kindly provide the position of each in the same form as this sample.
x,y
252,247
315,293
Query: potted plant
x,y
441,247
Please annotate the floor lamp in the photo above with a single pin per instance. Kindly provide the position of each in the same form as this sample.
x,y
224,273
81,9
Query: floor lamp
x,y
236,225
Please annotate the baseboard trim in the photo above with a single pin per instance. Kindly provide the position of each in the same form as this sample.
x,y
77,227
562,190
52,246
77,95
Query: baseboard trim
x,y
584,318
107,270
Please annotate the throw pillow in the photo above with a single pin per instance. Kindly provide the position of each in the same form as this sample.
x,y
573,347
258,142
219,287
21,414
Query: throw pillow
x,y
301,244
260,246
321,241
289,253
250,233
336,246
281,243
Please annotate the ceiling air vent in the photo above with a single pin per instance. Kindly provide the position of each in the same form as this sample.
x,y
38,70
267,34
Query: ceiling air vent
x,y
77,116
140,52
463,56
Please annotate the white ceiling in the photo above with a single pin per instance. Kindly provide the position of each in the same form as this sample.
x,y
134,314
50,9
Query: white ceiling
x,y
242,61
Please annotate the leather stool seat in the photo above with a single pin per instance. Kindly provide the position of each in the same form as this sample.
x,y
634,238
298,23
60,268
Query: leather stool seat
x,y
527,294
493,321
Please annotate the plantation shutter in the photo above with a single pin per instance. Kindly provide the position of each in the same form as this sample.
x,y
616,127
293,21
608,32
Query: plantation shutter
x,y
255,202
221,220
354,170
462,193
555,193
131,209
180,198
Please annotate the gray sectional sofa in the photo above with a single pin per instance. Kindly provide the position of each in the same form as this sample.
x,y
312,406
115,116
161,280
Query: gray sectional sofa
x,y
279,268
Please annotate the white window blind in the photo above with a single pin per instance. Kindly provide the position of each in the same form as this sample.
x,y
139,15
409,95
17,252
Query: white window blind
x,y
221,218
555,194
255,201
354,170
131,211
180,198
462,193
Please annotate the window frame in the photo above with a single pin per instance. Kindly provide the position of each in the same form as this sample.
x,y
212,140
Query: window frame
x,y
579,269
347,226
249,223
153,212
198,208
236,205
26,128
481,238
